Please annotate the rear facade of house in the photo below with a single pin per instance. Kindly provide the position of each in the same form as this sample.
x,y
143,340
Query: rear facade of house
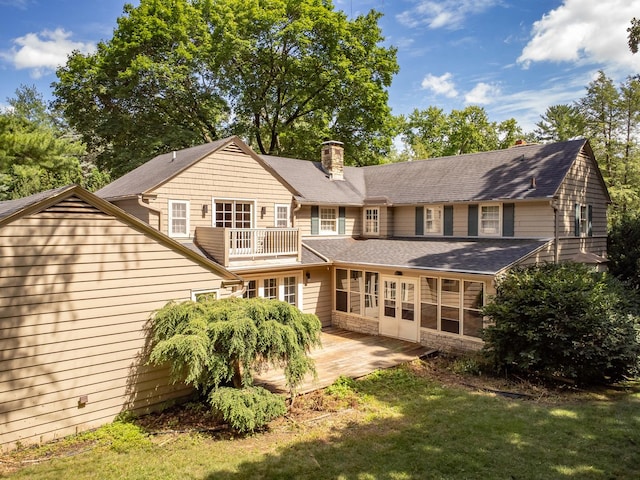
x,y
408,250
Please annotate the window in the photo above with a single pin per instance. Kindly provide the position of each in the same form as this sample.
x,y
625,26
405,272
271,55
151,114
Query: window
x,y
429,302
178,218
452,306
289,286
433,220
328,220
203,295
283,288
355,289
233,214
252,289
281,216
270,286
357,292
473,301
372,221
583,220
342,290
490,220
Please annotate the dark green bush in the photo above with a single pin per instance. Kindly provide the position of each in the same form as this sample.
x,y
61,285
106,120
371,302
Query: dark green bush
x,y
563,320
624,250
247,409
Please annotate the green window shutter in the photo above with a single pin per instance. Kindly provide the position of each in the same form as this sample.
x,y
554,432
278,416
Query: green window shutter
x,y
577,220
448,220
508,219
472,221
342,214
419,220
315,220
590,220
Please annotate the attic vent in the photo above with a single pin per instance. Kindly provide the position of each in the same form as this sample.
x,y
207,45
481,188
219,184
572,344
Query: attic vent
x,y
232,148
73,205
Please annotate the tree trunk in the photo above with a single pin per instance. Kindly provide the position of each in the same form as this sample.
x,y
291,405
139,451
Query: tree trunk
x,y
237,374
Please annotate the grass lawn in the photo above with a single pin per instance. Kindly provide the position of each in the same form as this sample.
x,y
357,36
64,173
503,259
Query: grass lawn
x,y
403,423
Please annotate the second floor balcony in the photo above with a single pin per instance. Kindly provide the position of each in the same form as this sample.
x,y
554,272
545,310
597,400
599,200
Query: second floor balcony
x,y
250,246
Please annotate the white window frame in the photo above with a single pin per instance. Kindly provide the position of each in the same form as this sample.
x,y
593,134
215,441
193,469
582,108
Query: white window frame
x,y
171,218
584,220
276,217
437,229
195,293
280,291
215,200
324,231
481,231
374,221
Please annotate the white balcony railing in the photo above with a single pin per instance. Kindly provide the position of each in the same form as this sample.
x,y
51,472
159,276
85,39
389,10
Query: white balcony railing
x,y
263,242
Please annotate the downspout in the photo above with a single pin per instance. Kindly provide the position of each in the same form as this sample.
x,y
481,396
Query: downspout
x,y
296,209
151,209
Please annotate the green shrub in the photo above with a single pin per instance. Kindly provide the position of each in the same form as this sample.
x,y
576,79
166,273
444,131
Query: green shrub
x,y
219,342
563,320
247,409
624,250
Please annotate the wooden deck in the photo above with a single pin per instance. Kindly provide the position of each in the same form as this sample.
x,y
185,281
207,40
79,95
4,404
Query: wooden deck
x,y
350,354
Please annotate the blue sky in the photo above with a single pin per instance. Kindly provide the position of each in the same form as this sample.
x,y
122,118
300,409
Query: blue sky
x,y
514,58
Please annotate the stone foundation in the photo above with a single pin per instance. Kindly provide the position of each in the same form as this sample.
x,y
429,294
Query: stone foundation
x,y
446,343
354,323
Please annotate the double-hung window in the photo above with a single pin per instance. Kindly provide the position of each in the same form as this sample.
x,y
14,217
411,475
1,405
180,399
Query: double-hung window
x,y
328,220
489,220
178,218
372,221
584,215
433,220
281,216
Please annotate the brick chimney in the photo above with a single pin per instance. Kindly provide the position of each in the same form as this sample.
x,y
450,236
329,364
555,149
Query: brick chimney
x,y
333,159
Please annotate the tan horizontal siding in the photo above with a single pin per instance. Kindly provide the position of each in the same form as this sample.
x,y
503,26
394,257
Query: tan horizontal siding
x,y
229,174
460,220
533,220
318,294
132,207
404,221
76,295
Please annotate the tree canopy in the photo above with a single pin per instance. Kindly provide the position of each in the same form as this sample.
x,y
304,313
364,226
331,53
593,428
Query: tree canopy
x,y
284,76
37,151
433,133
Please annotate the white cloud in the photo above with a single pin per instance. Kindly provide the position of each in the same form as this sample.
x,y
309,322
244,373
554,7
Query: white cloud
x,y
584,32
482,94
43,52
442,85
449,14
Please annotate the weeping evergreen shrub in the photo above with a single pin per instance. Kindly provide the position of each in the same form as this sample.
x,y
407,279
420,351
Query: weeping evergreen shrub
x,y
563,320
212,344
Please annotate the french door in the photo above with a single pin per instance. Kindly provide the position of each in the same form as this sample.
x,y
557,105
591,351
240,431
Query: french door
x,y
399,315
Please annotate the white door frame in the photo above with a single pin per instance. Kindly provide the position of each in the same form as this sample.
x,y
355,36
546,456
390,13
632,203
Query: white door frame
x,y
393,308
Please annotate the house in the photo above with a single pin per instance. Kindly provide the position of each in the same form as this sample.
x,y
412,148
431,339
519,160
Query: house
x,y
79,281
408,250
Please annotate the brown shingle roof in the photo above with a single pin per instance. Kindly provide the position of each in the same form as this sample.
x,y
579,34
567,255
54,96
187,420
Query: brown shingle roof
x,y
500,174
485,256
314,185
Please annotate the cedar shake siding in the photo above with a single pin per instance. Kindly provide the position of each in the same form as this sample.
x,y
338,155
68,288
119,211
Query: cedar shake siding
x,y
77,289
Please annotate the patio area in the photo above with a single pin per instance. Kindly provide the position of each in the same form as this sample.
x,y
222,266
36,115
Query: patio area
x,y
351,354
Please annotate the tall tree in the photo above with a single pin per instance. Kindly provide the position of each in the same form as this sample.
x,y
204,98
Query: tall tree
x,y
560,123
37,151
629,172
284,74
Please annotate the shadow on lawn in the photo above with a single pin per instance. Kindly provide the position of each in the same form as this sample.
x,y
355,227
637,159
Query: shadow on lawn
x,y
432,432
